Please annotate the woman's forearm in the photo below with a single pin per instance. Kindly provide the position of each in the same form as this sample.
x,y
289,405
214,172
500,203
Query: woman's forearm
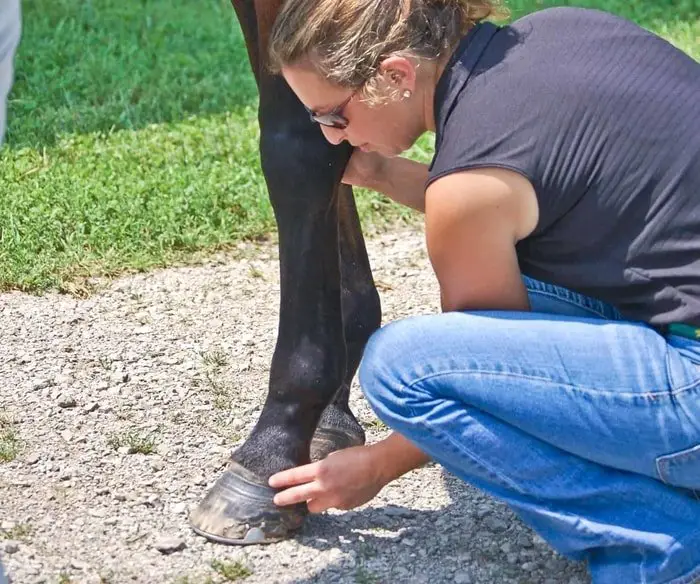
x,y
402,180
396,456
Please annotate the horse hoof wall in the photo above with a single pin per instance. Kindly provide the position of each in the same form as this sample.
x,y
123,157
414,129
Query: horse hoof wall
x,y
238,510
327,440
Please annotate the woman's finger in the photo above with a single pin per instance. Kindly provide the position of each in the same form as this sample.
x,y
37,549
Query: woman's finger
x,y
294,476
318,505
297,494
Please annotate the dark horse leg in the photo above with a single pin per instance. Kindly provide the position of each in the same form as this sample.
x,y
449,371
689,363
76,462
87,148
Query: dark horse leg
x,y
324,320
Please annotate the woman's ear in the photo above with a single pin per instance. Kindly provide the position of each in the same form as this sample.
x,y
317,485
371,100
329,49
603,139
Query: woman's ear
x,y
399,74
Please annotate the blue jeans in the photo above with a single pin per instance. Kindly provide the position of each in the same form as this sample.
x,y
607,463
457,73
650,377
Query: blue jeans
x,y
586,425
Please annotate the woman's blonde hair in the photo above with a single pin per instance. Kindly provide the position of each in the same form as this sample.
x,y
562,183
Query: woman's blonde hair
x,y
346,40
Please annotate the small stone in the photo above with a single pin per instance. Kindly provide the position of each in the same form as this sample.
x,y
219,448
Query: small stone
x,y
482,511
32,458
11,547
495,525
97,512
512,558
524,541
125,377
111,521
157,464
179,508
506,548
102,491
78,565
120,497
8,525
399,512
529,566
463,578
67,435
408,541
43,384
66,474
123,450
538,541
102,385
169,545
66,401
91,407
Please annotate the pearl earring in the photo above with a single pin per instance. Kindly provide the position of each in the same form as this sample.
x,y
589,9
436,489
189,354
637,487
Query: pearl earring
x,y
407,93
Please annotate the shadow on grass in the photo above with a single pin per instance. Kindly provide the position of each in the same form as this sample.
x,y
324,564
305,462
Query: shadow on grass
x,y
109,65
429,546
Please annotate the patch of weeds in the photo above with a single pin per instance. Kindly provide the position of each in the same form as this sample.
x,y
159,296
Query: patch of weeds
x,y
20,532
214,359
375,424
64,578
107,577
136,443
255,273
220,392
106,363
10,444
231,571
364,576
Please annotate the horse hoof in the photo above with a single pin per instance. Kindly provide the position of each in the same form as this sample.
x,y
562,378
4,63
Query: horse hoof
x,y
327,440
238,510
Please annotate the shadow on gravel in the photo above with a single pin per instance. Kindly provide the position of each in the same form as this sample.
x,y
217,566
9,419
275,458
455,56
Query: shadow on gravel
x,y
472,540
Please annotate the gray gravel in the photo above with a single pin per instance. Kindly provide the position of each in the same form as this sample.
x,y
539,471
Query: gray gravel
x,y
126,404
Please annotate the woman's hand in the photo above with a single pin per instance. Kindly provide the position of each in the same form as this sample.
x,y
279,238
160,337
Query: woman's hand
x,y
345,479
364,169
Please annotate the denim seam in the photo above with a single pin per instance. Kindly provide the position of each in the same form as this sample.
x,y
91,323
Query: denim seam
x,y
571,301
689,578
587,390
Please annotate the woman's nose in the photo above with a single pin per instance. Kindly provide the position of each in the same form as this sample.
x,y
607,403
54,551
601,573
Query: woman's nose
x,y
333,135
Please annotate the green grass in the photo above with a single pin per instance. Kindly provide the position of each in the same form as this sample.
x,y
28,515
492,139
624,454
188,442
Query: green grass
x,y
136,442
133,136
10,444
230,571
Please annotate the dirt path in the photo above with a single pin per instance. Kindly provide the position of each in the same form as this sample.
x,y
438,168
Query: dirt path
x,y
174,364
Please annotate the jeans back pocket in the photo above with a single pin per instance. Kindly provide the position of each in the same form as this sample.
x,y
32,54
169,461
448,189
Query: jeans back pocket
x,y
681,469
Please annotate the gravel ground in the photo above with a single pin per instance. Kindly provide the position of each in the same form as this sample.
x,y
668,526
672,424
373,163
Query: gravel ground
x,y
173,365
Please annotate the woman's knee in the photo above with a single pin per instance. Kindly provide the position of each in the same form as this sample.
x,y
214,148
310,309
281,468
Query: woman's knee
x,y
389,351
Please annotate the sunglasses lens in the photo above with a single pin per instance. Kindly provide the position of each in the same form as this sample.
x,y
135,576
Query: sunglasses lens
x,y
331,121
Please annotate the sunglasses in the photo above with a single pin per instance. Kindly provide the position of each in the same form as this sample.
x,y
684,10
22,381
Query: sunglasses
x,y
334,118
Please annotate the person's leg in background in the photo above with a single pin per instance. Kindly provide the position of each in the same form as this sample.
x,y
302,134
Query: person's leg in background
x,y
568,414
9,38
10,28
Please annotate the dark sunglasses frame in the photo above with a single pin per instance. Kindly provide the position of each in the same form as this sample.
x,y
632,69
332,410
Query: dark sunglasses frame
x,y
332,119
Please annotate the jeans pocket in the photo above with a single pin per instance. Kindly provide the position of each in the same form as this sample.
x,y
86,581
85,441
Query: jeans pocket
x,y
681,469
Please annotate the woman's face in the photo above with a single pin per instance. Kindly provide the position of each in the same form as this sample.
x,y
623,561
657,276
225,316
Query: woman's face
x,y
389,128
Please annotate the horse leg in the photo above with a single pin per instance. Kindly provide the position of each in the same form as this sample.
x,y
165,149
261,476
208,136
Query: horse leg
x,y
338,427
303,173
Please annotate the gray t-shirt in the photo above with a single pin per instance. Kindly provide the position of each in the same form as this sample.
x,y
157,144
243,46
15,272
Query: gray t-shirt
x,y
603,118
